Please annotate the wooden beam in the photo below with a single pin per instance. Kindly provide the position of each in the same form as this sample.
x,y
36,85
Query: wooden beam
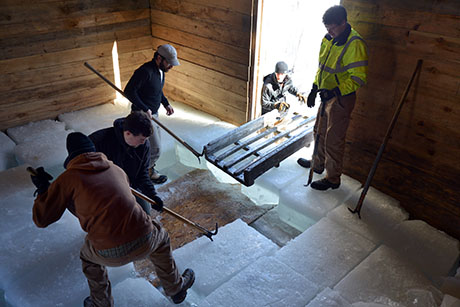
x,y
439,46
209,61
55,42
224,34
37,27
205,45
72,55
215,78
204,12
232,100
205,104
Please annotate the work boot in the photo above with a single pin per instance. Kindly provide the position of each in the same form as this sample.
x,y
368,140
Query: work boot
x,y
189,278
88,302
307,164
156,177
324,184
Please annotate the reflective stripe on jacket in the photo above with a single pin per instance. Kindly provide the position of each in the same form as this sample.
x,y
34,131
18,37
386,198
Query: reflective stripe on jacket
x,y
342,64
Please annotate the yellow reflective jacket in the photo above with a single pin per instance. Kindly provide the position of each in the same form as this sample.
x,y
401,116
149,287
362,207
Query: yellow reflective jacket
x,y
342,62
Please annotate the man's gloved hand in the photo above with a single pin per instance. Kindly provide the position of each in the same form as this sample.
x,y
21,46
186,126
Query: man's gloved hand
x,y
282,106
301,97
312,96
41,180
159,203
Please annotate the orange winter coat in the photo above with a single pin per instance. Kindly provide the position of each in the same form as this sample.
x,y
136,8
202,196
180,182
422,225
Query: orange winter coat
x,y
102,199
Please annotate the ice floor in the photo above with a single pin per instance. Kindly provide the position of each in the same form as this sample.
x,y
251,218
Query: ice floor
x,y
383,259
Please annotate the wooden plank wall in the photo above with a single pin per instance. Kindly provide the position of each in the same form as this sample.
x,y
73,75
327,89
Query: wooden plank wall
x,y
212,39
44,43
421,165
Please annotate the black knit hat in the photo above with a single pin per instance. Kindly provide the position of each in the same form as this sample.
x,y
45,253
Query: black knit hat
x,y
78,143
281,67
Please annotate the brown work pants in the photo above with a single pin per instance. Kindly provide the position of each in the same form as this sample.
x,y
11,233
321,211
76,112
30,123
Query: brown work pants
x,y
158,249
332,128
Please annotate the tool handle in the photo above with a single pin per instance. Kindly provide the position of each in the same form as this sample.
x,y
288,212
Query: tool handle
x,y
386,138
206,232
153,118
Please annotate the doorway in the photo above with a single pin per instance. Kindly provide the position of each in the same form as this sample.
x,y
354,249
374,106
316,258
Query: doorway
x,y
289,31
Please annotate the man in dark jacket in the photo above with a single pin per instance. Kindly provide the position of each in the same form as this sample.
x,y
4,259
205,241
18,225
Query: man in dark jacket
x,y
145,91
97,192
127,145
276,86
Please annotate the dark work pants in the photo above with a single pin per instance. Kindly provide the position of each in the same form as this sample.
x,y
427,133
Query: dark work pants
x,y
332,128
157,249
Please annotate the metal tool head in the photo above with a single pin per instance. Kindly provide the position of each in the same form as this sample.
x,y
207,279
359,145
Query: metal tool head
x,y
355,211
209,234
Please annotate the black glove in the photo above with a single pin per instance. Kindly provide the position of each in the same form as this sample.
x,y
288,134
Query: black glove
x,y
41,180
159,203
312,96
337,92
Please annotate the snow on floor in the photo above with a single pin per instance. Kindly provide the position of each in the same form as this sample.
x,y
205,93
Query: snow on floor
x,y
383,259
212,267
7,158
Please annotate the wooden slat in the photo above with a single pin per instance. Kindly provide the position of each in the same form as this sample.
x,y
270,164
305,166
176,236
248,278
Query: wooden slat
x,y
203,74
410,143
41,11
62,41
50,90
446,7
205,104
205,12
224,34
410,18
50,108
225,51
73,55
437,45
67,71
241,6
34,28
210,61
206,89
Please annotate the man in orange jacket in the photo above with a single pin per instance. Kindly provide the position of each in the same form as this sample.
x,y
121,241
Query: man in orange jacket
x,y
118,230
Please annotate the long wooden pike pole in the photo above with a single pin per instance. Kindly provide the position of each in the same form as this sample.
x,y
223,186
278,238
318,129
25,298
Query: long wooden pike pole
x,y
384,143
315,148
206,232
198,155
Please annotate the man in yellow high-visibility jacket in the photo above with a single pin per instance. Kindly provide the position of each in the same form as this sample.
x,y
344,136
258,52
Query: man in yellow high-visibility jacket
x,y
342,70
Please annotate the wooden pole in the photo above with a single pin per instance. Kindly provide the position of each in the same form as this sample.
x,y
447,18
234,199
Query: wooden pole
x,y
198,155
206,232
385,141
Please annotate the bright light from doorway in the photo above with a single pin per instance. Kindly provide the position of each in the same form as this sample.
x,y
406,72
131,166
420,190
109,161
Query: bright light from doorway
x,y
292,31
116,72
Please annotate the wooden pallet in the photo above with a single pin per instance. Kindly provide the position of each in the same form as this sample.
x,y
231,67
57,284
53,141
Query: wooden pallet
x,y
250,150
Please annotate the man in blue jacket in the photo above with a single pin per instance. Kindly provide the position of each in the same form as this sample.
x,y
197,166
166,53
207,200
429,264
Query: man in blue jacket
x,y
126,144
145,91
